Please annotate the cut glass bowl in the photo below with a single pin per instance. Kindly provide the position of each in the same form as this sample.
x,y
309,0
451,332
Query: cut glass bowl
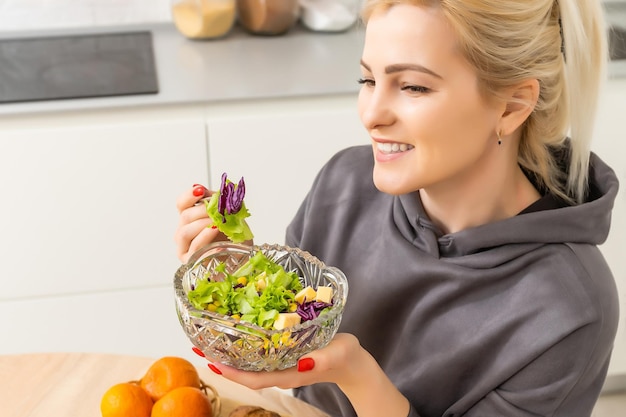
x,y
244,345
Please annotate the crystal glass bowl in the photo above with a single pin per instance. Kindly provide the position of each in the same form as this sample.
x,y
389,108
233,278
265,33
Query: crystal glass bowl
x,y
248,346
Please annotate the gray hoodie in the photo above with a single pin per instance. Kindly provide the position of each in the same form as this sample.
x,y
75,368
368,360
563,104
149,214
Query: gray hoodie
x,y
513,318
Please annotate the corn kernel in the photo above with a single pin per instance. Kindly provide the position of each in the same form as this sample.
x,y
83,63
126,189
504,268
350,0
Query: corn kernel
x,y
242,280
285,338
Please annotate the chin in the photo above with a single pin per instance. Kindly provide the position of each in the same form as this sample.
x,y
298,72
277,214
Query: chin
x,y
390,184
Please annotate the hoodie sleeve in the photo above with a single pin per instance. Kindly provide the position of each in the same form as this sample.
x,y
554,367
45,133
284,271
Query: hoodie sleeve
x,y
563,381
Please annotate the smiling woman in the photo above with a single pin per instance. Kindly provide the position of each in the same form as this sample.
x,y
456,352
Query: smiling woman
x,y
475,288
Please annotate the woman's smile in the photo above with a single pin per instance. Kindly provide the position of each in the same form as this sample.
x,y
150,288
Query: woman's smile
x,y
387,148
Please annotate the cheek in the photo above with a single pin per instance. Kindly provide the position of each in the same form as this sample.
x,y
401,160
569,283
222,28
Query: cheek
x,y
451,124
449,138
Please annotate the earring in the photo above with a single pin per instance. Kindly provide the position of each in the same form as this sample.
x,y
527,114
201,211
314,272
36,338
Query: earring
x,y
499,138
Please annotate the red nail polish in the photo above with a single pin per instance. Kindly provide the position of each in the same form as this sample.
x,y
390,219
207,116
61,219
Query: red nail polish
x,y
214,227
198,191
214,369
198,351
306,364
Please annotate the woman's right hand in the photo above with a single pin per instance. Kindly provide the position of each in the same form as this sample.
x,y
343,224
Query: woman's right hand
x,y
194,228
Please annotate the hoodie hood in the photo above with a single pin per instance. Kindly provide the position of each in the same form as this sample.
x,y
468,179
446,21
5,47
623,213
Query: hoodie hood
x,y
588,222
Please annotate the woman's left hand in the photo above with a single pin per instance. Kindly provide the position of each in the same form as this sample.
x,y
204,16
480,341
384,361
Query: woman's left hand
x,y
337,362
343,362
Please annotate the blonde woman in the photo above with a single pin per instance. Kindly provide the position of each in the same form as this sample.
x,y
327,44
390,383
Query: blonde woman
x,y
469,228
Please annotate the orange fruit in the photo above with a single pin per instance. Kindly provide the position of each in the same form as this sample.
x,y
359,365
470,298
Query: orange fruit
x,y
126,399
167,373
183,402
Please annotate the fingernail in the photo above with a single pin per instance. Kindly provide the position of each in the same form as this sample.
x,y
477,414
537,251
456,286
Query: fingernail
x,y
198,191
198,351
306,364
214,369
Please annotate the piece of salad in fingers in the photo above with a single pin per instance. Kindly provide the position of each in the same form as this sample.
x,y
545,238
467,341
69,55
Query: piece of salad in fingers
x,y
228,211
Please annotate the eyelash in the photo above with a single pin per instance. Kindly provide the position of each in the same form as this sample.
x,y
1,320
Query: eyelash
x,y
409,88
415,89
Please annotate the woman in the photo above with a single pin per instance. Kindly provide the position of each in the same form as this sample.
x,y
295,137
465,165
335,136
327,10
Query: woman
x,y
476,284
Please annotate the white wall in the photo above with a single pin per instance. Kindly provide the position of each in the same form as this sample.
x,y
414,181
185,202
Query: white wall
x,y
25,15
20,15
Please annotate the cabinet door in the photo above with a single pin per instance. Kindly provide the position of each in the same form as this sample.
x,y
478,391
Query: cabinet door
x,y
92,207
278,147
140,322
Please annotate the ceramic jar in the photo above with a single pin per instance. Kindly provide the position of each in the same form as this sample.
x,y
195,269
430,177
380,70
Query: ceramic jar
x,y
329,15
268,17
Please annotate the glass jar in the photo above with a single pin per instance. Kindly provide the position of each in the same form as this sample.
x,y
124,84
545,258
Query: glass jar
x,y
268,17
204,19
329,15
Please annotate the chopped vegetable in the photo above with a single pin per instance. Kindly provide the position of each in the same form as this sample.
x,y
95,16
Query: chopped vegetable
x,y
228,210
260,292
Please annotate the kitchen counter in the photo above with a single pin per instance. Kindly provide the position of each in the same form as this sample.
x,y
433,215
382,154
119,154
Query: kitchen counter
x,y
237,66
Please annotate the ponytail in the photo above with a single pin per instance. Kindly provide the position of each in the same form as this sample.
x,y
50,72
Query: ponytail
x,y
585,53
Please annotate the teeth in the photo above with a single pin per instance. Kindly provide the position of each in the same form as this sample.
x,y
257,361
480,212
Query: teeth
x,y
393,147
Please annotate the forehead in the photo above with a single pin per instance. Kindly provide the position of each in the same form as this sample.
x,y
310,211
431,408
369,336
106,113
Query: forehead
x,y
408,32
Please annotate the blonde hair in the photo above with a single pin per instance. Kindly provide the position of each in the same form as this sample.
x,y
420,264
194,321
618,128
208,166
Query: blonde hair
x,y
562,44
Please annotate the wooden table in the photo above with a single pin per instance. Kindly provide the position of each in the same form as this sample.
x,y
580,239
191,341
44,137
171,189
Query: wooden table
x,y
72,385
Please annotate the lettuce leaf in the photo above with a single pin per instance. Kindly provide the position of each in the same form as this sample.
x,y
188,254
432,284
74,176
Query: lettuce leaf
x,y
241,295
234,226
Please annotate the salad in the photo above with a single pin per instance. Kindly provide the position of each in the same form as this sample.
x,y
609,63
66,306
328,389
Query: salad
x,y
228,211
261,292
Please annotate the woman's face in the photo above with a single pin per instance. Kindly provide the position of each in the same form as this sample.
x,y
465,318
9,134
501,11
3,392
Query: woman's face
x,y
430,127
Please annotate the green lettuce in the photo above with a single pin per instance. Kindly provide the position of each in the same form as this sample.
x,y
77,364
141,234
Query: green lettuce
x,y
234,226
256,293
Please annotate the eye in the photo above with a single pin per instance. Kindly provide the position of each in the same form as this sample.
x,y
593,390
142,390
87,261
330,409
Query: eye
x,y
366,81
415,89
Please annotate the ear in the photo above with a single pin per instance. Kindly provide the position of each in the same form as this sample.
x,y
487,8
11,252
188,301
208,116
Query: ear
x,y
520,103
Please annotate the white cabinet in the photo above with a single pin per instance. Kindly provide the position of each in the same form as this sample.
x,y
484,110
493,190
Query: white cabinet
x,y
87,220
278,147
88,214
610,145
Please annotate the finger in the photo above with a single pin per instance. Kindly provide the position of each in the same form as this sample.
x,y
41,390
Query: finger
x,y
192,214
334,356
192,236
285,379
206,236
191,196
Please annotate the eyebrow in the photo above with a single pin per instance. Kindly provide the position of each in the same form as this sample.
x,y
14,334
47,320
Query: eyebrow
x,y
390,69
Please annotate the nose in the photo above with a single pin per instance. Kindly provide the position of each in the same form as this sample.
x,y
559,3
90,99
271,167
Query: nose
x,y
375,107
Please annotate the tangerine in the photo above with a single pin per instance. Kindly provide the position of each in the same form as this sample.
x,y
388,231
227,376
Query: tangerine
x,y
168,373
126,399
183,402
